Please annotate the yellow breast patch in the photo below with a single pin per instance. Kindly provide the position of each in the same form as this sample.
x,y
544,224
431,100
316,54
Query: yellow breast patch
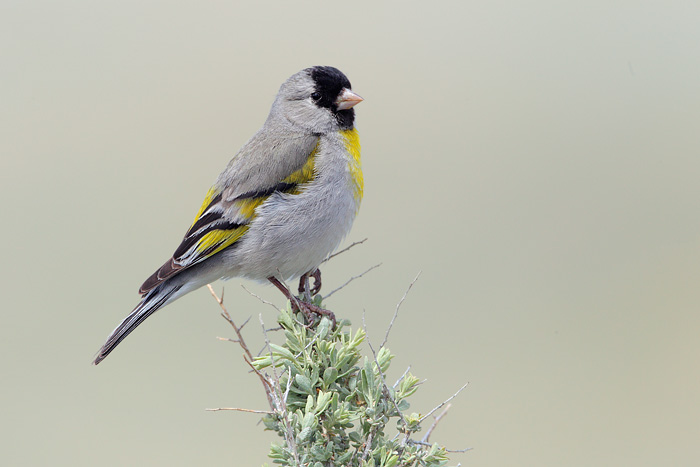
x,y
352,145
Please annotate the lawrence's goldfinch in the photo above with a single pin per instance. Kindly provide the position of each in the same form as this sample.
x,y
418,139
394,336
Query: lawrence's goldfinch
x,y
281,206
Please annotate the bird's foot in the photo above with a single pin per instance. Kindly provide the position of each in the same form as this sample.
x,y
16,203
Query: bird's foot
x,y
304,283
311,310
305,306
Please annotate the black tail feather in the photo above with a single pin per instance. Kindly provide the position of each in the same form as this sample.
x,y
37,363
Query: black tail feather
x,y
148,305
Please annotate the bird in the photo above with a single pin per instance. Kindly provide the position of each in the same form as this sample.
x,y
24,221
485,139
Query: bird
x,y
281,206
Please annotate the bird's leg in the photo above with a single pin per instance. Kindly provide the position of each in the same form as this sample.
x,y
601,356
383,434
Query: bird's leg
x,y
283,289
304,286
309,309
317,282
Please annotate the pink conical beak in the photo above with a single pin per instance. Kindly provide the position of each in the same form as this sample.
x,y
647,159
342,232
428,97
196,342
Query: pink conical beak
x,y
347,99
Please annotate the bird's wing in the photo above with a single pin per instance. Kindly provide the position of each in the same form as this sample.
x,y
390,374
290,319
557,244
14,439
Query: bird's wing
x,y
224,219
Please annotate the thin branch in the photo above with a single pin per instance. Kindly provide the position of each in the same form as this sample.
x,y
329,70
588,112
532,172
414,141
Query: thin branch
x,y
244,322
350,280
289,386
228,339
280,406
396,312
260,352
267,412
307,346
368,446
267,339
260,298
381,373
426,438
444,402
279,328
398,381
266,381
422,443
344,250
227,317
248,357
267,345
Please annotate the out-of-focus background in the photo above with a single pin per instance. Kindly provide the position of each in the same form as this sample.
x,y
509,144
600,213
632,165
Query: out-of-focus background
x,y
539,162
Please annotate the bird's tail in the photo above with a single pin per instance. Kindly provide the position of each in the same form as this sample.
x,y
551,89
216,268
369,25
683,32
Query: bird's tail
x,y
149,304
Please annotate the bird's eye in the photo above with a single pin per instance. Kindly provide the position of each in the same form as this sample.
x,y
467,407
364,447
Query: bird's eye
x,y
316,96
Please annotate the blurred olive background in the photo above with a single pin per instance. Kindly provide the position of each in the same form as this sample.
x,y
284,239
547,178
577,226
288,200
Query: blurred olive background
x,y
539,162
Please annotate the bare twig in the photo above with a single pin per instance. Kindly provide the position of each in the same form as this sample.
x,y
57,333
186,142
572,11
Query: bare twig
x,y
350,280
396,312
422,443
307,346
227,317
289,386
368,446
260,298
444,402
260,352
228,339
398,381
266,381
344,250
248,357
381,374
267,345
280,400
267,412
426,438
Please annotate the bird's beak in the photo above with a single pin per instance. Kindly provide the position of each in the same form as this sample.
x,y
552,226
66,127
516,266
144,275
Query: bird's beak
x,y
347,99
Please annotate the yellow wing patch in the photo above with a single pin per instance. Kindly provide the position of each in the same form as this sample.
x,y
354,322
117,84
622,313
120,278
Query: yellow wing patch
x,y
216,240
306,173
210,239
208,234
211,194
248,206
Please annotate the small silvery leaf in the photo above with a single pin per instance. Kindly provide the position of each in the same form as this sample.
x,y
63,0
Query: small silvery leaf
x,y
303,383
330,374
